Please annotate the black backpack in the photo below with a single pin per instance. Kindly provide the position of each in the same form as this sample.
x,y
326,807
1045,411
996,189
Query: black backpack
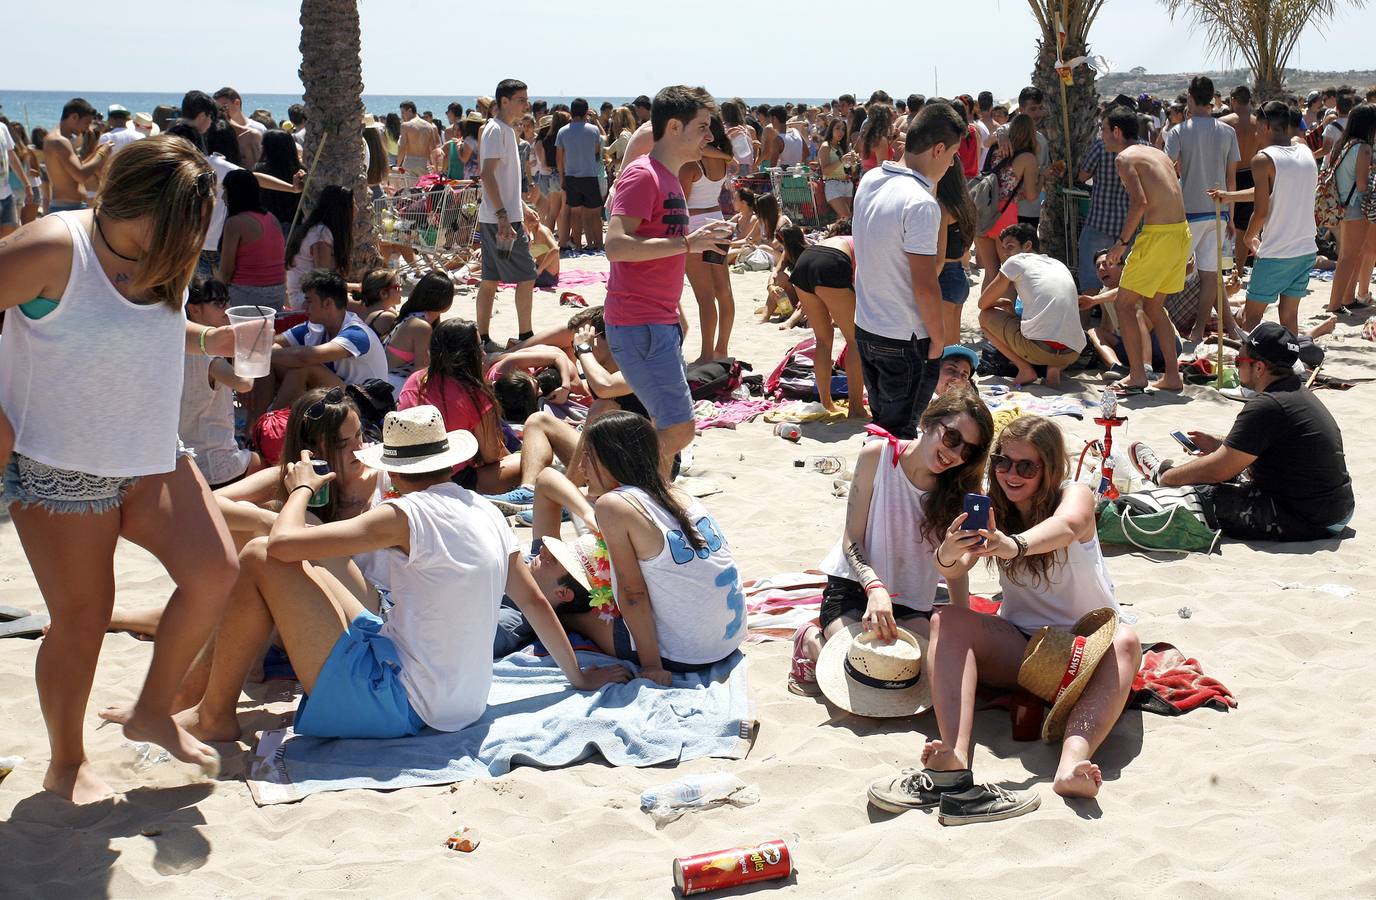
x,y
716,379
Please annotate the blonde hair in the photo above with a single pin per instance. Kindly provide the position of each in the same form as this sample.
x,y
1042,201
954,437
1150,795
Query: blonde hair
x,y
166,180
623,117
1045,438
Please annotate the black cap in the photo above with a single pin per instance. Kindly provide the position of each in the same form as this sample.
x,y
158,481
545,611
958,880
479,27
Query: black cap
x,y
1273,343
1124,100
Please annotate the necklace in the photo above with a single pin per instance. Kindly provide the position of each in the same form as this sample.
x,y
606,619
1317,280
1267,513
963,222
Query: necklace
x,y
101,232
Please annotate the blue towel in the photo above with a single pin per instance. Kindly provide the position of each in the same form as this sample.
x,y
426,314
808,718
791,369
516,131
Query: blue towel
x,y
532,717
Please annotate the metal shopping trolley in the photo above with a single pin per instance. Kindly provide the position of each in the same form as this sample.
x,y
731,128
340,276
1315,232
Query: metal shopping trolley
x,y
798,197
435,219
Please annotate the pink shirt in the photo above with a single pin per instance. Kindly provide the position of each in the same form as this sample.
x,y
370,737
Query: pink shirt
x,y
461,408
648,293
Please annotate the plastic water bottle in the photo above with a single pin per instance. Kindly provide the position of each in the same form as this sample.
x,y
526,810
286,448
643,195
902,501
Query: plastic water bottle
x,y
1108,405
667,802
824,465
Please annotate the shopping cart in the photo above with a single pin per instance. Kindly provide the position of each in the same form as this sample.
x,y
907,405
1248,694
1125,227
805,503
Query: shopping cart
x,y
797,197
433,219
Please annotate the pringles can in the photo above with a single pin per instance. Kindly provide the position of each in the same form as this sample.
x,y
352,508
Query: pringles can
x,y
732,868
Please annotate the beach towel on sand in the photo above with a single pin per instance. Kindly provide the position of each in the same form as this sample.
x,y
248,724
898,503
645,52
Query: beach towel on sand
x,y
533,717
1171,684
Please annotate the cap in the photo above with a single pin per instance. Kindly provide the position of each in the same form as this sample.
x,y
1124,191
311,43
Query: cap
x,y
1273,343
116,110
1124,100
1312,96
958,351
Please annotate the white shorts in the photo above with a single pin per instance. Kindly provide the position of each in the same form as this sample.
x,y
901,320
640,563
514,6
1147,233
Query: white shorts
x,y
698,220
1204,244
838,189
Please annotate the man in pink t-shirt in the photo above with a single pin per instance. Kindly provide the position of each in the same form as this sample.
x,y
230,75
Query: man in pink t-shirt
x,y
647,242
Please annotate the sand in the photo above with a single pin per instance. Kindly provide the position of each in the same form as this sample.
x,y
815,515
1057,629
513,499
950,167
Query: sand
x,y
1273,797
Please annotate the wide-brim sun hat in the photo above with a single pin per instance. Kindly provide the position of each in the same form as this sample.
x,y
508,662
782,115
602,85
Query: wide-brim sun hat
x,y
865,676
1057,665
414,442
577,559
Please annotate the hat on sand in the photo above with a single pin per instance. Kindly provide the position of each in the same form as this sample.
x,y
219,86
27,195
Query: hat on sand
x,y
1058,664
414,442
587,562
881,680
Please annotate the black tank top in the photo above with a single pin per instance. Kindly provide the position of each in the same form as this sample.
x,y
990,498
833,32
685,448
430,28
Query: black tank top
x,y
956,245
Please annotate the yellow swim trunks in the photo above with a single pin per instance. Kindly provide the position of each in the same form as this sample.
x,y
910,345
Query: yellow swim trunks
x,y
1157,262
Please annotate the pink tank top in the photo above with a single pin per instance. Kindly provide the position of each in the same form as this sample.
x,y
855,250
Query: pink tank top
x,y
261,263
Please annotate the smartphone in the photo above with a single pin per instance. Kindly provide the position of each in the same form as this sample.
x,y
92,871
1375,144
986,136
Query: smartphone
x,y
716,257
976,513
1183,440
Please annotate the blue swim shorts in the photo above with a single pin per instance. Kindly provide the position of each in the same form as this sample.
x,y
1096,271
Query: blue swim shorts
x,y
651,358
358,693
1275,278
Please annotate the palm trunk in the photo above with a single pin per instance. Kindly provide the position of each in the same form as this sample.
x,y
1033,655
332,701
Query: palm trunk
x,y
332,75
1081,102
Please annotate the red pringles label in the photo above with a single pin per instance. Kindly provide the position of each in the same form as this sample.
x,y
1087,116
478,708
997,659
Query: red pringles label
x,y
731,868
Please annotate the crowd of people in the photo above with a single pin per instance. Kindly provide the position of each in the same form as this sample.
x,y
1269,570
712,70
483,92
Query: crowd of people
x,y
355,499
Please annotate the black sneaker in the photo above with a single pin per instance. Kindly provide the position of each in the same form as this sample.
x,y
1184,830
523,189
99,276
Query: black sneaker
x,y
986,803
912,789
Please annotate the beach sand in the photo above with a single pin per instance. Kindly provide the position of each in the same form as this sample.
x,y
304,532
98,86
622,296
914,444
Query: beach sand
x,y
1274,797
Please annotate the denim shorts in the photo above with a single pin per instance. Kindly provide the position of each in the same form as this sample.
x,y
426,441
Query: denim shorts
x,y
29,482
548,184
359,693
651,358
9,213
955,287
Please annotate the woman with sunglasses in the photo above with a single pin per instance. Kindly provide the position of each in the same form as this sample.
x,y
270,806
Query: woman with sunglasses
x,y
881,572
91,377
1043,541
381,295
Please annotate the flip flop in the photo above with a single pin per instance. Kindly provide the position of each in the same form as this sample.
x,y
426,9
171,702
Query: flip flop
x,y
27,627
569,298
1131,390
10,613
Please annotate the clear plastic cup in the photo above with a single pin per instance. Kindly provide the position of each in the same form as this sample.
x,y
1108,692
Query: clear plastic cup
x,y
253,334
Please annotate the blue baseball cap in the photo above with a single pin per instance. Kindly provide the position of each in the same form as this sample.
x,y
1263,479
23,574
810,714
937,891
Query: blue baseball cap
x,y
959,351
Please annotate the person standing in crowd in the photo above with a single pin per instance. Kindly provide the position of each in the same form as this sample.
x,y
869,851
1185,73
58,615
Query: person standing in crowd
x,y
11,162
1032,103
119,135
837,186
647,243
707,273
418,140
899,327
506,246
578,155
68,173
1108,209
1351,160
252,249
247,132
1205,153
1245,125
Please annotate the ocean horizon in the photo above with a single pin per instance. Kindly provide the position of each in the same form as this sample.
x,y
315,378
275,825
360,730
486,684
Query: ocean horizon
x,y
43,109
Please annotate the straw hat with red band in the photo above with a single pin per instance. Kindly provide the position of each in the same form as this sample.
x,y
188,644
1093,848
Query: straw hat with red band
x,y
1058,664
586,560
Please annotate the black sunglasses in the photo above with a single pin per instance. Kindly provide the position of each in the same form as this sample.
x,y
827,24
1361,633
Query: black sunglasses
x,y
205,184
1024,468
317,409
952,439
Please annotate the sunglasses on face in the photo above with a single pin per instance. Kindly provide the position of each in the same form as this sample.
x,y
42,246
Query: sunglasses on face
x,y
1023,468
952,439
318,408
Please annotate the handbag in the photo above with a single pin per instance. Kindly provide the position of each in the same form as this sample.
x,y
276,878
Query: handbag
x,y
1369,201
1158,519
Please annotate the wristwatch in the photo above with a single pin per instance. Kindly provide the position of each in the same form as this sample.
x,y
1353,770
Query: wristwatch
x,y
580,349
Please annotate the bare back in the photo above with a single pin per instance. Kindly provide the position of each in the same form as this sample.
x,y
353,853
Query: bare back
x,y
1246,127
421,138
1149,174
57,150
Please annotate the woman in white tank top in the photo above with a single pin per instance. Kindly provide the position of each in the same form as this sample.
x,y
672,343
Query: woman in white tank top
x,y
1042,538
673,577
91,376
707,272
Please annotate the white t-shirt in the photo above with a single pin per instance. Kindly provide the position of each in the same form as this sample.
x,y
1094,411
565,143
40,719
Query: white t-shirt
x,y
6,145
366,359
498,141
447,592
1333,131
254,125
302,264
222,168
1050,300
982,131
895,214
119,138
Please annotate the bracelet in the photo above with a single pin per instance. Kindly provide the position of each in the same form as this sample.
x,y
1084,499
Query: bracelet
x,y
204,332
939,562
299,487
873,583
1022,545
687,247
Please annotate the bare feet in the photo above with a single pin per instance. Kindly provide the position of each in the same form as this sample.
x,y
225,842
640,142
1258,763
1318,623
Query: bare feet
x,y
1169,384
79,784
1025,376
181,735
1053,377
936,755
1083,780
857,411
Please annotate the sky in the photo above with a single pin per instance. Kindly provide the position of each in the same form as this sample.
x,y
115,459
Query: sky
x,y
441,47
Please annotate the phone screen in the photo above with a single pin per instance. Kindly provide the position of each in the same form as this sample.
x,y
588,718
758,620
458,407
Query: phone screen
x,y
1185,442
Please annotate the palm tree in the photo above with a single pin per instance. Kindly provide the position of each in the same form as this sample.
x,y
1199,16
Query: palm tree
x,y
332,75
1072,119
1262,32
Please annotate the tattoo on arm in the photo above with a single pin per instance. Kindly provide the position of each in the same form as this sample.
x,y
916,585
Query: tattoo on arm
x,y
633,598
855,555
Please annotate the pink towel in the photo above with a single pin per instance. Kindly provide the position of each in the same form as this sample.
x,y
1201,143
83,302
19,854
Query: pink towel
x,y
729,415
573,278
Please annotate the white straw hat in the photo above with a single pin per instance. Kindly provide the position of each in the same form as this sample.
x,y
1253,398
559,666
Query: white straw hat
x,y
882,680
414,442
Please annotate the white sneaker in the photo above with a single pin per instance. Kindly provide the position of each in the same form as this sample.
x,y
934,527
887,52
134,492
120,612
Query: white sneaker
x,y
1241,394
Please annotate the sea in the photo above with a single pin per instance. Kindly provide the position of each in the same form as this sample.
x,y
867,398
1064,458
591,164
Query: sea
x,y
43,109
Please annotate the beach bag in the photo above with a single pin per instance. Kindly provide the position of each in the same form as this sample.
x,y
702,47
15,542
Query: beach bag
x,y
1158,519
987,195
715,380
757,260
1328,207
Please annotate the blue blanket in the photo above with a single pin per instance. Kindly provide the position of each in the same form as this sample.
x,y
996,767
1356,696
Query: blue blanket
x,y
533,717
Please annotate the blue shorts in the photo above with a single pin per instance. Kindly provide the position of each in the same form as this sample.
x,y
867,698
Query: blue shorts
x,y
955,287
651,358
9,215
358,693
1275,278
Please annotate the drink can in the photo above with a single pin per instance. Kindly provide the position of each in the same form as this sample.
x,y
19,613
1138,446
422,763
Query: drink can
x,y
789,431
732,868
321,497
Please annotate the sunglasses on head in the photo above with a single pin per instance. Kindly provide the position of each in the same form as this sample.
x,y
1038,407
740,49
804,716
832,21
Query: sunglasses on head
x,y
218,303
1023,468
317,409
205,184
952,439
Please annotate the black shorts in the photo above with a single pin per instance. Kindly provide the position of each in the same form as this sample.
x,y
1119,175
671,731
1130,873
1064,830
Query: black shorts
x,y
1243,211
583,192
621,643
823,267
843,597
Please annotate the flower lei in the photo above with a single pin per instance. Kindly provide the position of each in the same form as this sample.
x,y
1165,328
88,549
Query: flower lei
x,y
600,597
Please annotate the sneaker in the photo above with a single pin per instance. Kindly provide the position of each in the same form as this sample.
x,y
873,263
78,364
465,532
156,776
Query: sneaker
x,y
514,501
918,790
526,517
986,803
491,346
1242,394
1145,460
802,674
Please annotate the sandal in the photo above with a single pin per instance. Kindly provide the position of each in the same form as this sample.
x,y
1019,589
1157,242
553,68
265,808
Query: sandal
x,y
802,673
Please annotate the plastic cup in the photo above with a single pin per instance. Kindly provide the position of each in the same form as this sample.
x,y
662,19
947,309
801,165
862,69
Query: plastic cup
x,y
253,334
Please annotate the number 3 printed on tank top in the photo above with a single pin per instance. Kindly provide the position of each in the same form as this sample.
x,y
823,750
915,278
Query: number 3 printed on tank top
x,y
735,601
683,552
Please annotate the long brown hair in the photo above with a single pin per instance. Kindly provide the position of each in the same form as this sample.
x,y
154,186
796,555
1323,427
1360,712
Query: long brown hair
x,y
165,179
1022,134
626,445
955,200
944,503
1043,436
319,434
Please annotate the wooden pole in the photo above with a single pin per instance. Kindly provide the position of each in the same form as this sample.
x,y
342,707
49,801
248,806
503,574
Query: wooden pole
x,y
1071,245
324,136
1222,297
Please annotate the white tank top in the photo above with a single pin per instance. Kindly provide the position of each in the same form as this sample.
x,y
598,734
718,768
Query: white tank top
x,y
696,596
207,422
1079,585
1289,230
743,149
705,193
793,148
894,546
95,385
